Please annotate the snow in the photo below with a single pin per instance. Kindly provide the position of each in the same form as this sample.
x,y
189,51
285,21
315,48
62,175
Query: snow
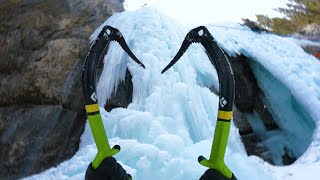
x,y
172,117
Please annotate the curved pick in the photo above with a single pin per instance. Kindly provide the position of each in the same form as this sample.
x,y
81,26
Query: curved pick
x,y
115,35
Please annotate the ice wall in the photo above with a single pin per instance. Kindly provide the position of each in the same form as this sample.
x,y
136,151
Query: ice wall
x,y
171,119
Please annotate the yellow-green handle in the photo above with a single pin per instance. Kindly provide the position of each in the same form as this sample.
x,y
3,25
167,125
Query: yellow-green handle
x,y
219,145
99,135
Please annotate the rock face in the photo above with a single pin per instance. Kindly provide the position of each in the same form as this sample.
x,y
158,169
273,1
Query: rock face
x,y
248,94
253,26
312,49
311,32
247,102
123,96
42,45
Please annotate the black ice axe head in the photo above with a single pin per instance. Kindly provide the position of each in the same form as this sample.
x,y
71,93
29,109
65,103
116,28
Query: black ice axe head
x,y
196,35
115,35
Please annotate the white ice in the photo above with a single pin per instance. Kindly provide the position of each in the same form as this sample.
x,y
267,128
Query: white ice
x,y
172,117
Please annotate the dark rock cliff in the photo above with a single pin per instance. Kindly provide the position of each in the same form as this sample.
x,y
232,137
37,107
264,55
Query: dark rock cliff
x,y
248,102
42,45
310,32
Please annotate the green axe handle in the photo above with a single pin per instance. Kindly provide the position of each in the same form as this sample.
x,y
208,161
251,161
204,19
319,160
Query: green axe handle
x,y
219,145
99,135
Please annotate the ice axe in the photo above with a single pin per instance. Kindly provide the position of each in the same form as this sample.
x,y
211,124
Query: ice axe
x,y
104,164
217,167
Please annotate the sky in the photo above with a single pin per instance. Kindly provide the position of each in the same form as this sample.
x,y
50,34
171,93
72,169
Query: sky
x,y
210,11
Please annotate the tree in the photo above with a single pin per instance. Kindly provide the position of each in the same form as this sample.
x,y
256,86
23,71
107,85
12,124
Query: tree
x,y
298,14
